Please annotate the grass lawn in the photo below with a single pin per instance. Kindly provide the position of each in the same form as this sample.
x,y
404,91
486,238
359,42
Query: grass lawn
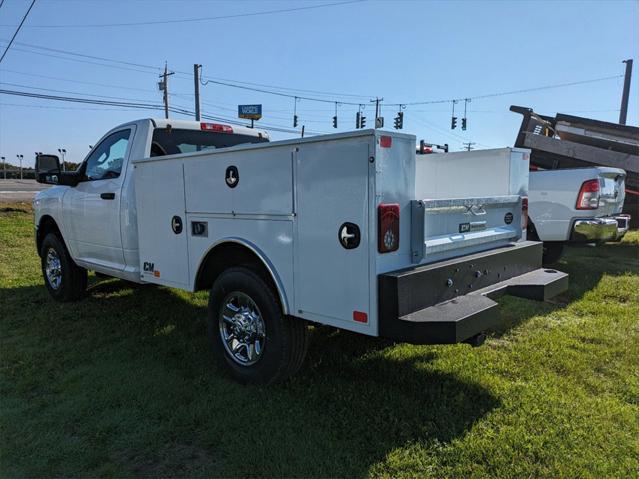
x,y
122,384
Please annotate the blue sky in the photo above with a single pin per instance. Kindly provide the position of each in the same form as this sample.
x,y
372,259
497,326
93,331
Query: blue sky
x,y
403,51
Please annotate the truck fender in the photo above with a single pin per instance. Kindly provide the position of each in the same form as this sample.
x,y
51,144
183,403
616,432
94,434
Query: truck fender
x,y
270,268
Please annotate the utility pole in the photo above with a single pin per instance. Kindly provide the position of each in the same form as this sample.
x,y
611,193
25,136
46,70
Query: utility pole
x,y
196,79
20,158
164,87
4,167
626,92
469,145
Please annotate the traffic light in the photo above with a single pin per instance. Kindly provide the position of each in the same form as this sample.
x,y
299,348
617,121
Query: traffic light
x,y
335,121
362,121
399,120
453,123
464,124
294,121
357,119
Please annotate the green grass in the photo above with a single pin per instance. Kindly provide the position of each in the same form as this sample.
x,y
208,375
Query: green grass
x,y
122,384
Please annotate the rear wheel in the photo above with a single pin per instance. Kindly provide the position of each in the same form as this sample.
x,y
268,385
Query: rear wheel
x,y
552,251
248,331
64,280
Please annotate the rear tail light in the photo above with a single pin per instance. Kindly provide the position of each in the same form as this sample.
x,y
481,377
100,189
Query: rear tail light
x,y
216,127
524,212
387,227
588,198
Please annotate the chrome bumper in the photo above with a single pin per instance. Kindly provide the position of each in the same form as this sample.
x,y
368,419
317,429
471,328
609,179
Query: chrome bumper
x,y
600,229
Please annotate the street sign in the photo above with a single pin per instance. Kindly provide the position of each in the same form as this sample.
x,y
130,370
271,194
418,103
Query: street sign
x,y
250,112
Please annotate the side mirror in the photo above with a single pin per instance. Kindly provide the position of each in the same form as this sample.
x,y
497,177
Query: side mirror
x,y
47,169
48,172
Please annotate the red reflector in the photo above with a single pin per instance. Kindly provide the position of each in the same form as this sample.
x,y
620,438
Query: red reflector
x,y
524,213
387,227
385,141
360,317
216,127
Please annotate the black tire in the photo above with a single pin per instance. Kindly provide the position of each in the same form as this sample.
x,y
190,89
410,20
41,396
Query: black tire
x,y
552,251
73,279
286,338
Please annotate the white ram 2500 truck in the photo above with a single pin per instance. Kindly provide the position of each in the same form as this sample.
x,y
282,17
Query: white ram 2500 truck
x,y
350,230
576,205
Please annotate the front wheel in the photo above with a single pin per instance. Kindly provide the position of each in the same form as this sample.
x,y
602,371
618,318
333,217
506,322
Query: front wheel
x,y
248,331
64,279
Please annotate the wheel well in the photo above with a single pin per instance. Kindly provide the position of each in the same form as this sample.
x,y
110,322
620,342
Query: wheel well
x,y
230,254
47,225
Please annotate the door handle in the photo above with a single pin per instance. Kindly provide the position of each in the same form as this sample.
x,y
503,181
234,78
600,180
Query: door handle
x,y
107,196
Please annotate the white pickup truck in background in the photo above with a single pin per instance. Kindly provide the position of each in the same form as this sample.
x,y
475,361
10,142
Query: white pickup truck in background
x,y
576,205
351,230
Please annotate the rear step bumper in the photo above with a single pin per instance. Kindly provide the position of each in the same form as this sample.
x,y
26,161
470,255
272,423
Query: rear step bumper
x,y
452,301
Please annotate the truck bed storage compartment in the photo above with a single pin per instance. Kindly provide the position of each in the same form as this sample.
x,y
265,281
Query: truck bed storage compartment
x,y
264,182
332,282
159,189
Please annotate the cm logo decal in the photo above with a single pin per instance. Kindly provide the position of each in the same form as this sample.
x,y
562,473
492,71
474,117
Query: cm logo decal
x,y
232,177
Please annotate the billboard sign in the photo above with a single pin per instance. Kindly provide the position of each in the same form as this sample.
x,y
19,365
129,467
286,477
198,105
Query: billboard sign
x,y
250,112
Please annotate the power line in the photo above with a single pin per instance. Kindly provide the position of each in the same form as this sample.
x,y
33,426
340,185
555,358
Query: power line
x,y
17,30
270,92
141,106
54,107
81,100
511,92
82,61
93,57
106,85
75,93
182,73
319,92
244,85
200,19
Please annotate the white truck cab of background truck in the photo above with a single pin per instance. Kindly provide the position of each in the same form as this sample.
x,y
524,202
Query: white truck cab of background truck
x,y
351,230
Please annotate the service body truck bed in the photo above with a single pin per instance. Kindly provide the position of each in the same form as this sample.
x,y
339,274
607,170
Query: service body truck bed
x,y
460,226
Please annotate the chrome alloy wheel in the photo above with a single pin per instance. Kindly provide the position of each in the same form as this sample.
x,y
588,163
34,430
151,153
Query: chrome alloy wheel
x,y
53,269
242,328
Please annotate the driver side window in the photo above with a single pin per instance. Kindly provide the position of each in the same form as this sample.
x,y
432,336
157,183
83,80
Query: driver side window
x,y
105,161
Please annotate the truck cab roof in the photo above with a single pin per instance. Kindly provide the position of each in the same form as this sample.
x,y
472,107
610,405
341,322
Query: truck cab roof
x,y
209,126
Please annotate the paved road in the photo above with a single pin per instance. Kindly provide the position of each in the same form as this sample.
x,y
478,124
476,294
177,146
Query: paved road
x,y
19,190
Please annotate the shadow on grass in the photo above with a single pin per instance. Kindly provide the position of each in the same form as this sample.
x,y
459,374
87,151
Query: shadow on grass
x,y
132,380
586,265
